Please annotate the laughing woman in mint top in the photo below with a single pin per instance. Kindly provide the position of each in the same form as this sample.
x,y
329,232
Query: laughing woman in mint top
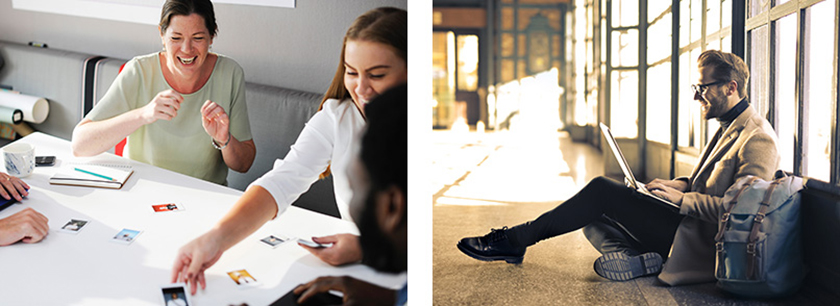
x,y
182,108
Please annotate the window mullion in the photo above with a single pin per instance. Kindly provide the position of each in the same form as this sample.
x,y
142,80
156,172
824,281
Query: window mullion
x,y
834,156
799,128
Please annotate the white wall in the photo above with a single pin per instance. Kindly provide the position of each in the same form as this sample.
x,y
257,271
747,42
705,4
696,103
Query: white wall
x,y
294,48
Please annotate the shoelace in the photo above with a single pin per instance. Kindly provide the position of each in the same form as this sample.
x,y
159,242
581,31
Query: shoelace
x,y
497,234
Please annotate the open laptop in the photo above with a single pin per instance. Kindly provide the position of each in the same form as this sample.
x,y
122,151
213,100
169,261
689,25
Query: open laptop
x,y
628,174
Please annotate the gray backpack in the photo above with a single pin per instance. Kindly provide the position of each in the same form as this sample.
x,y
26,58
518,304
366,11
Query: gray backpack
x,y
759,248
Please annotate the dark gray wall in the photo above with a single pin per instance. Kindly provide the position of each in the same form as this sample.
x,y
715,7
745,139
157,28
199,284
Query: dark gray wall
x,y
293,48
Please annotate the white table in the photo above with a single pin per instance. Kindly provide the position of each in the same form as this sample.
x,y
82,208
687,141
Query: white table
x,y
89,269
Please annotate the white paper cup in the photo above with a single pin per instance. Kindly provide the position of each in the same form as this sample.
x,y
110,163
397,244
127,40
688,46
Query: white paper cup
x,y
20,159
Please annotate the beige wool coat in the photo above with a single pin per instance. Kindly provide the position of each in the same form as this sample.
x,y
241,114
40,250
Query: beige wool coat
x,y
747,147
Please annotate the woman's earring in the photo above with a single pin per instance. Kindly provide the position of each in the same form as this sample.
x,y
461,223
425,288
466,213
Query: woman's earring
x,y
163,48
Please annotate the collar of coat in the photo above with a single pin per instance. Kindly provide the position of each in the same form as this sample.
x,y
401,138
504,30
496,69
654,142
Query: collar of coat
x,y
725,139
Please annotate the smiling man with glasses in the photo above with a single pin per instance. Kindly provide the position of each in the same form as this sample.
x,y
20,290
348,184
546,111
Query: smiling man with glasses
x,y
635,233
722,91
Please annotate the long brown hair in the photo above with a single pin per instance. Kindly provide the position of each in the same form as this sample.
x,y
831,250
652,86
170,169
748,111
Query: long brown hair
x,y
385,25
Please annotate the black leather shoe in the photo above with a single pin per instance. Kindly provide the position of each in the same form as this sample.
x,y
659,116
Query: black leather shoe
x,y
493,246
619,266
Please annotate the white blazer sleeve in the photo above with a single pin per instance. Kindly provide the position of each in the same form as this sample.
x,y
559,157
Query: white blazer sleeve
x,y
307,158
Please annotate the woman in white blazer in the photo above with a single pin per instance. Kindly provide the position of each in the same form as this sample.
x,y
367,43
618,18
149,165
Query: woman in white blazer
x,y
373,59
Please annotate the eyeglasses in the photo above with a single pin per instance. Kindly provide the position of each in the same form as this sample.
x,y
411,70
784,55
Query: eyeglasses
x,y
701,88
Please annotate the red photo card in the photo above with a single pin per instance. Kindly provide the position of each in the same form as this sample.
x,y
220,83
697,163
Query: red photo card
x,y
165,207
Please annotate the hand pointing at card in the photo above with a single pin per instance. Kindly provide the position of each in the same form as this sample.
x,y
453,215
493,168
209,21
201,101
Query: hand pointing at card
x,y
195,257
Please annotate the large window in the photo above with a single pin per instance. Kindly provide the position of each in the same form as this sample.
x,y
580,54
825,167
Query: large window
x,y
785,79
592,21
658,125
624,78
694,131
817,94
789,44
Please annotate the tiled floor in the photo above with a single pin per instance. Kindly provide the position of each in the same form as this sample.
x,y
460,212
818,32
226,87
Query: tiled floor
x,y
491,180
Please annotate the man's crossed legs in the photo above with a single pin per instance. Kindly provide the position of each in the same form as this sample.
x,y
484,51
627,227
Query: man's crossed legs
x,y
632,231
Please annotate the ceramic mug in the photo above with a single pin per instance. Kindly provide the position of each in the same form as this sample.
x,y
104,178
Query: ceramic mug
x,y
20,159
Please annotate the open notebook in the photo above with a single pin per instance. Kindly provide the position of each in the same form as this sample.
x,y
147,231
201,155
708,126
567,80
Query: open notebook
x,y
113,177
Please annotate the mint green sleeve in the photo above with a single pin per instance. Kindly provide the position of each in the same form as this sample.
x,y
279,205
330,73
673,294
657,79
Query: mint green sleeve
x,y
121,96
240,126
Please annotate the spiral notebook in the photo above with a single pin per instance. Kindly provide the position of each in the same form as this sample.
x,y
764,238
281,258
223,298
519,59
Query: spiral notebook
x,y
93,175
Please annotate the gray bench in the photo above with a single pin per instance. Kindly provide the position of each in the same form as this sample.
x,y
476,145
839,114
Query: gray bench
x,y
73,81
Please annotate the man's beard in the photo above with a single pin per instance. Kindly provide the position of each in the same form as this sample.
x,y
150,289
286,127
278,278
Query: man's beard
x,y
715,110
378,251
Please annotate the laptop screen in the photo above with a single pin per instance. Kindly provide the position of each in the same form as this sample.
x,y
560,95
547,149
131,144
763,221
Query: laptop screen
x,y
618,156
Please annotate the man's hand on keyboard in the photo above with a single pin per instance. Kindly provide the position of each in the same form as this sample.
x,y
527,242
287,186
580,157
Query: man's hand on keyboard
x,y
679,185
665,192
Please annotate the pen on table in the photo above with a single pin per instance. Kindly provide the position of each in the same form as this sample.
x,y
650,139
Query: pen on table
x,y
95,174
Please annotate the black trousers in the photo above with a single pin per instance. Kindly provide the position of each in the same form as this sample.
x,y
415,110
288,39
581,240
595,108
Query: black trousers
x,y
614,217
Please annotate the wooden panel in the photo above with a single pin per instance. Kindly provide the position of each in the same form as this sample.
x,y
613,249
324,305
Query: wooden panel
x,y
507,44
543,1
507,18
630,148
456,17
555,18
525,15
507,71
685,163
658,161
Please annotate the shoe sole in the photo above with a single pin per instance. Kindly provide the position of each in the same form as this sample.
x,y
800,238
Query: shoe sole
x,y
507,259
622,267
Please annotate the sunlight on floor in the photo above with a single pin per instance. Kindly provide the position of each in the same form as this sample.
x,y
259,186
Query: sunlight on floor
x,y
466,202
500,167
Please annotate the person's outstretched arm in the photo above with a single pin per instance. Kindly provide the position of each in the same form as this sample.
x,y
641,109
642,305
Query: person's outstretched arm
x,y
249,213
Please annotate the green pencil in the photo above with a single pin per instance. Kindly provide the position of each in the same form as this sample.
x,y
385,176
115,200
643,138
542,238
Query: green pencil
x,y
94,174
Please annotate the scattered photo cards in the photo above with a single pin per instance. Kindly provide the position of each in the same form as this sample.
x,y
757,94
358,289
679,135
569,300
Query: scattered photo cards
x,y
126,236
159,208
273,241
243,279
74,226
175,295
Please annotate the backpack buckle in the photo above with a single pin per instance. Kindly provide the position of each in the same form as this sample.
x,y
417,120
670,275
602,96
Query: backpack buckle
x,y
751,248
759,218
719,246
724,217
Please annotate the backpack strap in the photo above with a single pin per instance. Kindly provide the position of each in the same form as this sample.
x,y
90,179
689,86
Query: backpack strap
x,y
724,221
757,221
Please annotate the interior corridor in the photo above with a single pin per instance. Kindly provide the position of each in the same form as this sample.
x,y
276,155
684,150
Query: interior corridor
x,y
489,180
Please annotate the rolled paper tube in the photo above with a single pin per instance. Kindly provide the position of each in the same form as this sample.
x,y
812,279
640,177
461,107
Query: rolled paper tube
x,y
23,129
10,115
34,109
